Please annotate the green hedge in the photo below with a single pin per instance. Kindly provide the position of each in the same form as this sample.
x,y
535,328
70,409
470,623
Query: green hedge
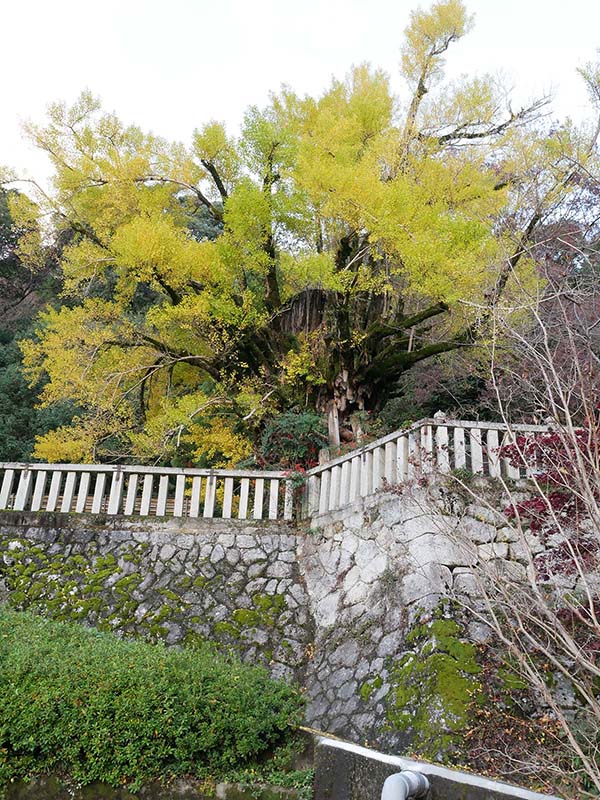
x,y
86,704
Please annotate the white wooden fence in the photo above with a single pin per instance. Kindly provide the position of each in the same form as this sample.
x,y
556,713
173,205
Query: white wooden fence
x,y
430,444
146,491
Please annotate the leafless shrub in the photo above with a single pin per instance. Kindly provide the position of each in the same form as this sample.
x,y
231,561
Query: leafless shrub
x,y
543,607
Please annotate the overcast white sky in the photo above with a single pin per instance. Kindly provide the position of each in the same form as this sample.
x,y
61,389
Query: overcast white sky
x,y
171,65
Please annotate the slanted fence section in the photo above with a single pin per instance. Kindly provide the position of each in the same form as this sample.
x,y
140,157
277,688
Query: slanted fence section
x,y
146,491
429,445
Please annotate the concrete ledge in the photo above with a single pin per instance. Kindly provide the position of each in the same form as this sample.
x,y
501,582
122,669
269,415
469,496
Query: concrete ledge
x,y
345,771
57,520
53,788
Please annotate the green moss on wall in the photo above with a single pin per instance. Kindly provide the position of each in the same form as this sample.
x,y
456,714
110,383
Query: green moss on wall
x,y
74,581
265,614
245,618
98,589
367,688
435,686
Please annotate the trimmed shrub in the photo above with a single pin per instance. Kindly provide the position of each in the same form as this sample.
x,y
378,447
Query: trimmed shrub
x,y
293,439
86,704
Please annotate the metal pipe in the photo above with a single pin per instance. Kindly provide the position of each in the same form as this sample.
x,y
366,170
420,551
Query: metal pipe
x,y
404,785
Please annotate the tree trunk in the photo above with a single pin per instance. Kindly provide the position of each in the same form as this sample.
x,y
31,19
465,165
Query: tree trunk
x,y
333,425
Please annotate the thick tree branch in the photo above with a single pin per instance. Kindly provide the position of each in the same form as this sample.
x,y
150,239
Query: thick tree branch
x,y
470,334
212,170
174,297
427,313
470,131
381,330
391,363
182,355
511,264
421,87
215,211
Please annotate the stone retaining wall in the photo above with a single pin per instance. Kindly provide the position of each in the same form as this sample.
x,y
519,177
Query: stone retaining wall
x,y
177,580
329,605
372,572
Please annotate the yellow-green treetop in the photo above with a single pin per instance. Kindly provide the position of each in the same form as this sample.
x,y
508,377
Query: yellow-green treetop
x,y
342,236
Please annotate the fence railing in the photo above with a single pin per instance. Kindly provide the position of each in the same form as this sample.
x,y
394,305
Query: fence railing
x,y
146,491
429,445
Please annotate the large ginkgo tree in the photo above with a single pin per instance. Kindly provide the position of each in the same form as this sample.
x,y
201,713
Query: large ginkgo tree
x,y
336,243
